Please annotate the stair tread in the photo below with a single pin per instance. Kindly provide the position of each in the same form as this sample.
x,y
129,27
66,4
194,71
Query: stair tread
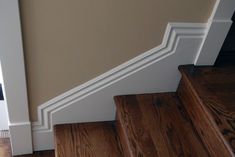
x,y
156,125
212,83
97,139
215,86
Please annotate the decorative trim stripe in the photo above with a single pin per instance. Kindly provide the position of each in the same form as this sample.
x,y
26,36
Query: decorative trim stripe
x,y
173,32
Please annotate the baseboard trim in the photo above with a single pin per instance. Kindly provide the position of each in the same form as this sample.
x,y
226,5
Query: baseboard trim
x,y
21,138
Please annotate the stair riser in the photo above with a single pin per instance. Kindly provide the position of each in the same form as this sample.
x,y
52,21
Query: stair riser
x,y
202,120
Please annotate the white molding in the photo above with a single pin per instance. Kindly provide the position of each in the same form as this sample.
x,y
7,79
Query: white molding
x,y
180,46
218,28
223,10
21,140
14,81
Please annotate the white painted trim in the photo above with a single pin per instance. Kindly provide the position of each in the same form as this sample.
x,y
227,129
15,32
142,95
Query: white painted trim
x,y
20,136
218,28
223,10
169,50
14,81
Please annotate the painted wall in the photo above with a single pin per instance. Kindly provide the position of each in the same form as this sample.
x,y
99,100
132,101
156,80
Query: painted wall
x,y
68,42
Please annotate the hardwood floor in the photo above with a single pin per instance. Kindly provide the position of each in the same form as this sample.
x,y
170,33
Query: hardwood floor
x,y
208,94
5,150
156,125
97,139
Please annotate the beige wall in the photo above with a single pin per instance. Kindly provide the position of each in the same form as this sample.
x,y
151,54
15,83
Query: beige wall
x,y
68,42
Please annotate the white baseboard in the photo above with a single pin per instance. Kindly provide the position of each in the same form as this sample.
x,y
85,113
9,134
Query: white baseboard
x,y
21,138
153,71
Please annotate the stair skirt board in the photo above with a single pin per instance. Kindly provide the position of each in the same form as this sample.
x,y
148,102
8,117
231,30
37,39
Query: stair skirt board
x,y
153,71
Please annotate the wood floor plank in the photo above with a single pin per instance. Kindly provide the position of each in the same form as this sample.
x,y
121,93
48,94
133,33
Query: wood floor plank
x,y
156,125
208,94
87,140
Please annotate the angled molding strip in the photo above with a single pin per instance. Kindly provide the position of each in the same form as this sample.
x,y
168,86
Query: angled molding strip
x,y
173,33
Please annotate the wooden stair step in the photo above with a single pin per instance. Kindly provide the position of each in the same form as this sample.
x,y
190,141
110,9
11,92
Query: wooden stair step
x,y
156,125
96,139
208,94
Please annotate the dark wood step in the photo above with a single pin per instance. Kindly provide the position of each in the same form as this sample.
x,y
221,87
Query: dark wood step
x,y
208,95
87,140
156,125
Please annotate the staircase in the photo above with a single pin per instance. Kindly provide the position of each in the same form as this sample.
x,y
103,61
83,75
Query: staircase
x,y
196,121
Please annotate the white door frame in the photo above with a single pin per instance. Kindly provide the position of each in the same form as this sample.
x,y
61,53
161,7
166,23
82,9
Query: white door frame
x,y
13,69
14,80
